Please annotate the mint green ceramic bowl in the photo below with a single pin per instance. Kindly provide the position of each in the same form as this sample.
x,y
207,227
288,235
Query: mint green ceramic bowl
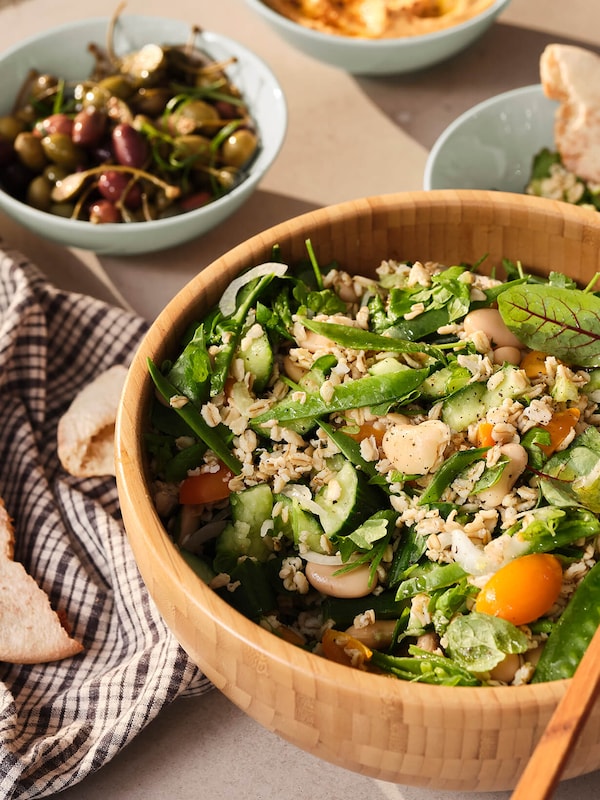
x,y
492,145
63,51
380,56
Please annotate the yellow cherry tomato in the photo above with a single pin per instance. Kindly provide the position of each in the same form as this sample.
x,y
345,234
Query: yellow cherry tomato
x,y
522,590
344,649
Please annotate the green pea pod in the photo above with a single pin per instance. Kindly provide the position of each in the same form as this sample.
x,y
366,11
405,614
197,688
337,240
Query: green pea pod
x,y
424,667
358,339
191,415
572,633
449,470
371,390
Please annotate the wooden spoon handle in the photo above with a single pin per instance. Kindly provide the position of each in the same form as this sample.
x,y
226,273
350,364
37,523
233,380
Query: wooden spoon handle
x,y
544,768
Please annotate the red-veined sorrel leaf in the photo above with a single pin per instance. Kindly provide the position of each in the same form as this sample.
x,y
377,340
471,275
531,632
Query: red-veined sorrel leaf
x,y
561,322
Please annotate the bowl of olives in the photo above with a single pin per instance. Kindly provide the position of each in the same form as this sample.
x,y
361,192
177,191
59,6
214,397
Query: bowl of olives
x,y
150,134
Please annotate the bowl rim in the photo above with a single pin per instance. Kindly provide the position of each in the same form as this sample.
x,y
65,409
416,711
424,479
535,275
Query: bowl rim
x,y
533,90
64,225
133,486
389,43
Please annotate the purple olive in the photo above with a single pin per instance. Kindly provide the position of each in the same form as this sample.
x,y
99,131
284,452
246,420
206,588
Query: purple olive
x,y
129,146
196,200
113,185
103,211
89,126
55,123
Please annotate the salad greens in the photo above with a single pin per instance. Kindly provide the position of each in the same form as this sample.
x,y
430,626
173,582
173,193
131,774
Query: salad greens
x,y
349,464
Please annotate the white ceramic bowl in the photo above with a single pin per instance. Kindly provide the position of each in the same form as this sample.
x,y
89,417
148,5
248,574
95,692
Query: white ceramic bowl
x,y
380,56
492,145
62,51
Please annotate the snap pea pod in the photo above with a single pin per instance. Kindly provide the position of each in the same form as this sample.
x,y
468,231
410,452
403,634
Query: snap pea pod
x,y
350,449
572,633
191,415
424,667
359,339
372,390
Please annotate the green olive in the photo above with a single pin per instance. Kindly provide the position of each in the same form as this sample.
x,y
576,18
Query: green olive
x,y
239,148
151,100
194,115
145,66
117,86
54,173
43,86
192,148
62,209
30,151
10,127
91,94
59,149
38,193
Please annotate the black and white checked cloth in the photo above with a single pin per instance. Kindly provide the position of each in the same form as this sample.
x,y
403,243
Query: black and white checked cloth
x,y
63,720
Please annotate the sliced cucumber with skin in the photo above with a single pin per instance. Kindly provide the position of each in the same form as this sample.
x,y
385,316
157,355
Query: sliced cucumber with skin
x,y
356,501
250,509
257,355
472,402
445,381
464,407
300,525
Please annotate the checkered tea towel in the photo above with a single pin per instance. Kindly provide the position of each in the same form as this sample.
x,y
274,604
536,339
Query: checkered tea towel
x,y
62,720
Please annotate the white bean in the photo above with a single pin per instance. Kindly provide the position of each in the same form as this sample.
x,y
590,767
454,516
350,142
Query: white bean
x,y
506,670
416,449
377,635
490,322
517,461
354,583
510,355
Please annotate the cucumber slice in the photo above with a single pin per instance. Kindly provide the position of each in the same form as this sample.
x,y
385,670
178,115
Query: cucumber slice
x,y
355,502
242,536
257,355
301,526
464,407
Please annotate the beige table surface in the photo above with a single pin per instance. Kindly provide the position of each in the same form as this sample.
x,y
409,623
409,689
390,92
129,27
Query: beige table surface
x,y
348,137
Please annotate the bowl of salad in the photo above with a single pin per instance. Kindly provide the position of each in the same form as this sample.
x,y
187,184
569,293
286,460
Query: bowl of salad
x,y
357,461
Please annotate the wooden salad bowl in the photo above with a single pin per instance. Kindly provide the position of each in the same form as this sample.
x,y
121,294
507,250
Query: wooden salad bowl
x,y
452,738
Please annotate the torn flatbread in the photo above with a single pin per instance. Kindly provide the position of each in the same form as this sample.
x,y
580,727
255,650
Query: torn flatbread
x,y
85,435
571,75
31,632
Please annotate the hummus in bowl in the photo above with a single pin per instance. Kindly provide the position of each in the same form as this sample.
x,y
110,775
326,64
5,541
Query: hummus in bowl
x,y
379,18
379,37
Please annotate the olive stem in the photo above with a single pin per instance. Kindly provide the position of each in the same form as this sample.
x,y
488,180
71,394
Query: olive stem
x,y
110,50
170,191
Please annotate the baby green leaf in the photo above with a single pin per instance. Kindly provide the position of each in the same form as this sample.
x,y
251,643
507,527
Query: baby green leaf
x,y
561,322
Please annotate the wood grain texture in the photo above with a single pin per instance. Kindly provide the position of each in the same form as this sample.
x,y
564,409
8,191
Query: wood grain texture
x,y
545,767
469,739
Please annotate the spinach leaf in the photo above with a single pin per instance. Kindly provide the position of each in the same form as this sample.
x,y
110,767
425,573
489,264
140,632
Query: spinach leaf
x,y
478,642
561,322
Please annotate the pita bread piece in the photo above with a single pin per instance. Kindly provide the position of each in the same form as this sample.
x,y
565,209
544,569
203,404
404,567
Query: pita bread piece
x,y
86,431
30,631
571,75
